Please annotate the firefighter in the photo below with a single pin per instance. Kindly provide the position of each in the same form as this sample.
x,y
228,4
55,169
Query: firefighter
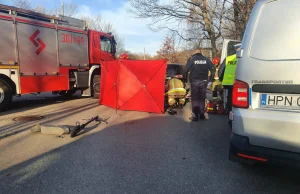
x,y
226,75
217,84
198,66
124,56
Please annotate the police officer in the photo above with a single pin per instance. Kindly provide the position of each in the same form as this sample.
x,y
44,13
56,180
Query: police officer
x,y
198,66
226,75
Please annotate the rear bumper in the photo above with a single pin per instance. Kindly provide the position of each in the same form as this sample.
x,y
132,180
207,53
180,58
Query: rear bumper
x,y
278,130
241,150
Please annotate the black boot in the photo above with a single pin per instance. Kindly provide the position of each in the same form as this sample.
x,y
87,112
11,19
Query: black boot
x,y
193,118
172,112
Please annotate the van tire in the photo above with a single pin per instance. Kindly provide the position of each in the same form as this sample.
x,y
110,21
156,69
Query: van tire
x,y
5,95
95,86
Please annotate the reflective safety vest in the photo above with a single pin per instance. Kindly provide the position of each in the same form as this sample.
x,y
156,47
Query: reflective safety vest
x,y
176,88
231,62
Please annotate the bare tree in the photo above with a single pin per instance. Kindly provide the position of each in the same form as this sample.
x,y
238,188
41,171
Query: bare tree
x,y
23,4
203,23
168,50
242,10
68,9
178,15
27,4
41,9
97,23
138,56
236,17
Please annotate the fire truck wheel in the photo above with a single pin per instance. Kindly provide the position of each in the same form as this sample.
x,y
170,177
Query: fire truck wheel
x,y
96,86
5,95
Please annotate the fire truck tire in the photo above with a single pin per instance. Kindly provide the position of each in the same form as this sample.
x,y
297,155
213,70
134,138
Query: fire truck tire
x,y
96,86
5,95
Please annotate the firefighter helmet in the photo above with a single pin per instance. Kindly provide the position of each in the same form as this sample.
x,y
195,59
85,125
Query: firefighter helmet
x,y
216,61
124,56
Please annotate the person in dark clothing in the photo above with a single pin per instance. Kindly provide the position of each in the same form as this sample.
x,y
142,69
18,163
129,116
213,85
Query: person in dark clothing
x,y
198,66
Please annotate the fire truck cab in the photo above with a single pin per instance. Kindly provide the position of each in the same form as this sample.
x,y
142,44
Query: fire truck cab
x,y
42,53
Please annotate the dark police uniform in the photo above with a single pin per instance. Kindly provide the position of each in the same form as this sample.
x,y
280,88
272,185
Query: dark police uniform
x,y
198,66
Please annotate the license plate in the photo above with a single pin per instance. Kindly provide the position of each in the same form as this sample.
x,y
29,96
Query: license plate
x,y
284,101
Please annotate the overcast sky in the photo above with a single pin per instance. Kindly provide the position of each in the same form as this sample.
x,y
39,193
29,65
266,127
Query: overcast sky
x,y
135,32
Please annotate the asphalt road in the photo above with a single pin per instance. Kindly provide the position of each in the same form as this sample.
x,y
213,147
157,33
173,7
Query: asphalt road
x,y
133,153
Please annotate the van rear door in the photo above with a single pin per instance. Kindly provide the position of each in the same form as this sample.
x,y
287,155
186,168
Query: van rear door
x,y
270,65
271,60
228,48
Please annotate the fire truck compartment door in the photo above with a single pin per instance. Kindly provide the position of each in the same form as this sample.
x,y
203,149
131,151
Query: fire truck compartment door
x,y
7,42
73,48
37,49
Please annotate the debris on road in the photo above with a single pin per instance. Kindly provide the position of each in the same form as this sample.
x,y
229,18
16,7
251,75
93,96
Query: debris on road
x,y
50,129
60,130
79,127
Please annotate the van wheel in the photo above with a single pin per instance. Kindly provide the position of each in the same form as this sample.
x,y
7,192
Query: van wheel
x,y
96,86
5,95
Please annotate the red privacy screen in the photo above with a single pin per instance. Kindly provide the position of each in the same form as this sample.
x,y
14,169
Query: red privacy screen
x,y
137,85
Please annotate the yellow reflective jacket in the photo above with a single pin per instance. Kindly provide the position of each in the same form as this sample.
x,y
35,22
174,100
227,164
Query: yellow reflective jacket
x,y
231,62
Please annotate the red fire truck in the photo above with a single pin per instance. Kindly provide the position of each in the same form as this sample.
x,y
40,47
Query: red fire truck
x,y
42,53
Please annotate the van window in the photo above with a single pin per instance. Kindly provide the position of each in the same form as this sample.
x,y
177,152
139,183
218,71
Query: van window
x,y
105,44
276,36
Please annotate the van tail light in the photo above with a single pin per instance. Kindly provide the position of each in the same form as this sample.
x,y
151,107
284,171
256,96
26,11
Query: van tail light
x,y
240,94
